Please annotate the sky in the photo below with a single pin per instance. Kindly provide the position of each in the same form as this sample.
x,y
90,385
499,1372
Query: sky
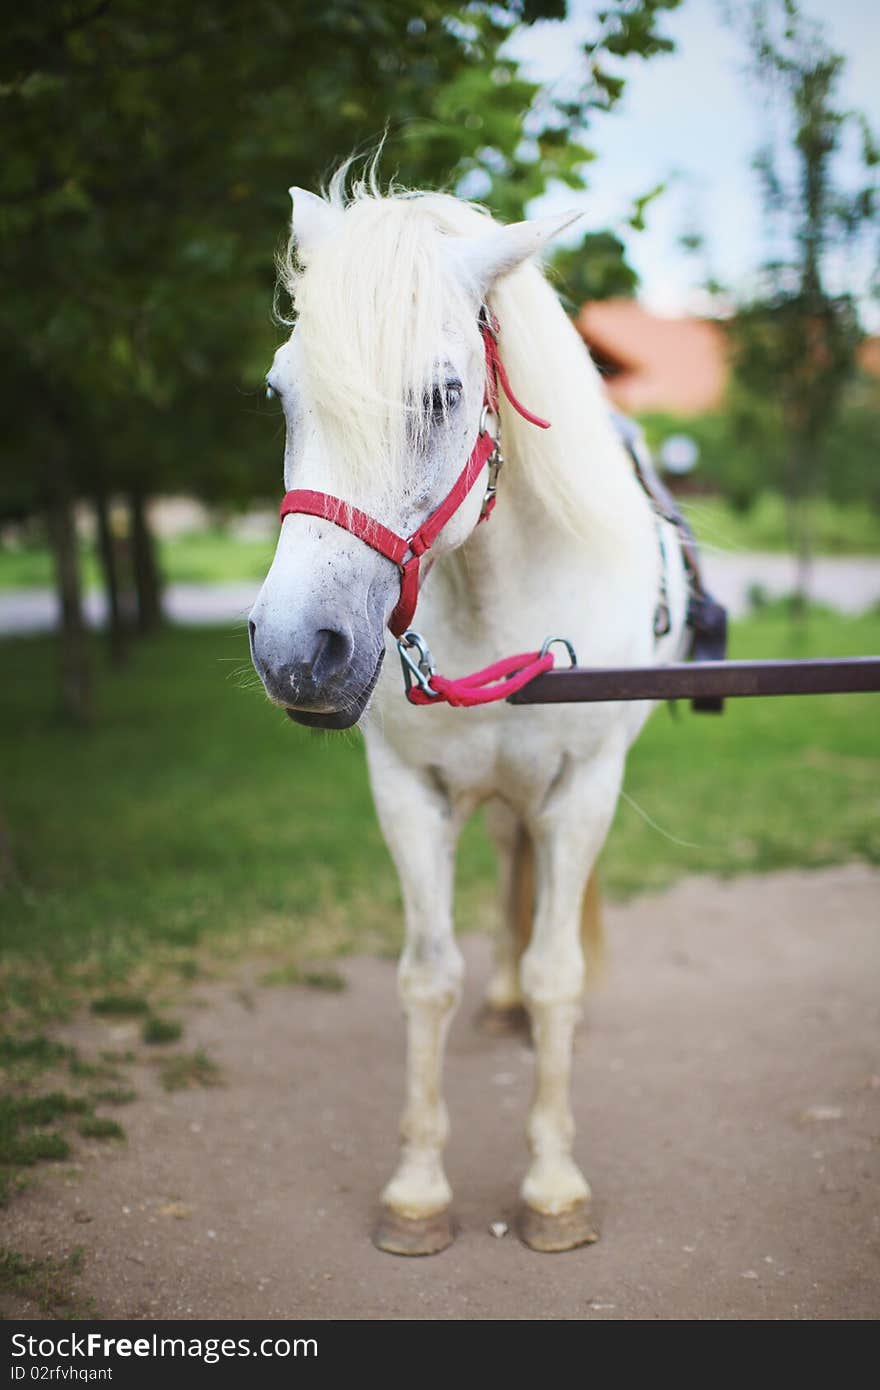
x,y
694,121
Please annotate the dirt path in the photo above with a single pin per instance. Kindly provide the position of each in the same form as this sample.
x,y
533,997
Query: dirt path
x,y
728,1107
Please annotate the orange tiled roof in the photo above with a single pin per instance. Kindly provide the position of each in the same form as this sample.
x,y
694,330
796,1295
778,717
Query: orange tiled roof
x,y
868,356
652,363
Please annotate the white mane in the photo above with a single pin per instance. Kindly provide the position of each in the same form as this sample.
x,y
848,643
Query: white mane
x,y
372,304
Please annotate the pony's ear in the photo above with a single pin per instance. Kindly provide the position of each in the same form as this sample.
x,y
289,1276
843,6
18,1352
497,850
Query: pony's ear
x,y
483,260
312,221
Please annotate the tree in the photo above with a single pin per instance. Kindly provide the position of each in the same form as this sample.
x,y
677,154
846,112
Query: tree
x,y
795,342
595,268
148,150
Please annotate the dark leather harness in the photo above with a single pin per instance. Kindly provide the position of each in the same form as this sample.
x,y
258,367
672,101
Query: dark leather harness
x,y
706,618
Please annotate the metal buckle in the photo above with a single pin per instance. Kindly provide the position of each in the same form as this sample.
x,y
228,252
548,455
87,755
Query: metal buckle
x,y
551,641
486,319
495,462
420,670
484,421
662,619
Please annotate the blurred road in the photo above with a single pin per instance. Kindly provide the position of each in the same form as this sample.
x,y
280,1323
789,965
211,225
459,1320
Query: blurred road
x,y
849,583
193,605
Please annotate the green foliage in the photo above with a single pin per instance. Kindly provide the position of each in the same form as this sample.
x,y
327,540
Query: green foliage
x,y
838,528
794,345
595,268
744,452
148,152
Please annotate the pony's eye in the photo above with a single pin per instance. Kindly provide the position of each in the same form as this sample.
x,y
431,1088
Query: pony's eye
x,y
443,400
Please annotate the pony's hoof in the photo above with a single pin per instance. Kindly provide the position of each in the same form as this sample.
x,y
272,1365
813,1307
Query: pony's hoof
x,y
407,1235
505,1021
564,1231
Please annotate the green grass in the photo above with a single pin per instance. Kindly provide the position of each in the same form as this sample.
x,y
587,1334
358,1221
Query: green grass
x,y
35,1125
24,1138
120,1006
838,528
38,1052
184,1070
161,1030
115,1095
48,1282
100,1127
211,557
195,821
292,974
201,557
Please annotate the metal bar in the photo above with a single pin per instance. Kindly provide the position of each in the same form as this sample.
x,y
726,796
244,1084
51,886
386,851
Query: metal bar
x,y
698,679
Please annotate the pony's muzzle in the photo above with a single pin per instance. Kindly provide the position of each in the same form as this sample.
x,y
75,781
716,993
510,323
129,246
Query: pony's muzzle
x,y
310,670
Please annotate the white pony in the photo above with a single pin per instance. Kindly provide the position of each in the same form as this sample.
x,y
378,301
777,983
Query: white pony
x,y
382,382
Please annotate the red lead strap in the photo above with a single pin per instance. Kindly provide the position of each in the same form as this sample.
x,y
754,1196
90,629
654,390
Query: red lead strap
x,y
498,681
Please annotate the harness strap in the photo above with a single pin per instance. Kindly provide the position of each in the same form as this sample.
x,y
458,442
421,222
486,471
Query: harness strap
x,y
361,524
497,372
706,618
423,538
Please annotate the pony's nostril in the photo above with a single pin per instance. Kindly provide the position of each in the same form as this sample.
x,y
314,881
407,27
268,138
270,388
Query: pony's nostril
x,y
252,633
331,653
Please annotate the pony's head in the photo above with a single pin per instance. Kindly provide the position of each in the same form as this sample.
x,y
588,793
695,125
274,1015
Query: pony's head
x,y
382,385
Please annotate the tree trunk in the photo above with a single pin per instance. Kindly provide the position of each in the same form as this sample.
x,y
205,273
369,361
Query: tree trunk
x,y
76,684
8,871
804,553
147,581
798,494
117,628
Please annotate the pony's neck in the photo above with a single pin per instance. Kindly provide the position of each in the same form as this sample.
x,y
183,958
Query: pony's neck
x,y
574,482
569,508
577,472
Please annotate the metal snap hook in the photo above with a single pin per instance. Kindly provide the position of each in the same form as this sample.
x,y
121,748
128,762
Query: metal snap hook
x,y
419,670
563,641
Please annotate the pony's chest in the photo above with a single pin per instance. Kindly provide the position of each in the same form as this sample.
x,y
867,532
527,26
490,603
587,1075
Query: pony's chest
x,y
512,752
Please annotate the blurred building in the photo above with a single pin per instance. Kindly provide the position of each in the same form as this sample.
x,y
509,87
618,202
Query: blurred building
x,y
675,366
869,357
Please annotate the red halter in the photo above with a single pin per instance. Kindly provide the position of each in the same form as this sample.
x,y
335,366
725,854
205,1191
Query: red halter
x,y
406,552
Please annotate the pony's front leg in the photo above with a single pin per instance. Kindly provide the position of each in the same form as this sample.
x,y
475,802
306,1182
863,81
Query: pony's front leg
x,y
421,831
568,832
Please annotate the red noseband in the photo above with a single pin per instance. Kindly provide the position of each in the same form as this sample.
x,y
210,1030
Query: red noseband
x,y
406,552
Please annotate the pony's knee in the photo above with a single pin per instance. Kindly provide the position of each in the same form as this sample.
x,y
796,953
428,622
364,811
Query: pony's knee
x,y
429,979
553,976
